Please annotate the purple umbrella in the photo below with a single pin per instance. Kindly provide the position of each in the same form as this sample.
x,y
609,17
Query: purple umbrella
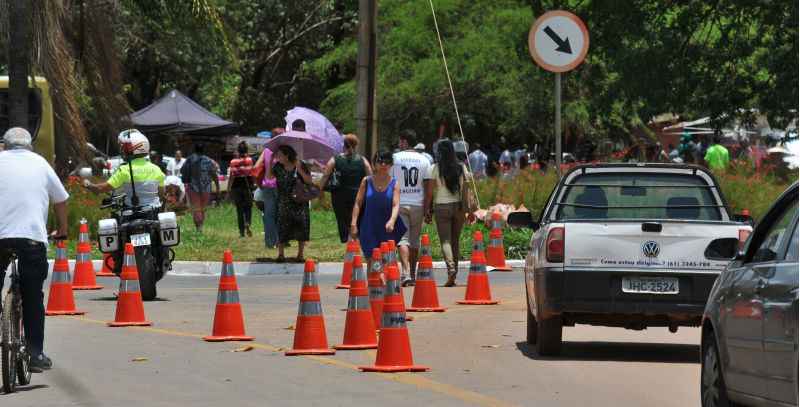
x,y
317,125
306,146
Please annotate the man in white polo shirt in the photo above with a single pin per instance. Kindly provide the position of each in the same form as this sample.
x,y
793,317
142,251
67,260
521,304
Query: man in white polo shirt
x,y
413,172
27,189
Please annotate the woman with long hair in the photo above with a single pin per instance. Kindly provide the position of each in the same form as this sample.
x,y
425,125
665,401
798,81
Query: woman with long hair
x,y
293,217
343,176
379,199
241,188
450,176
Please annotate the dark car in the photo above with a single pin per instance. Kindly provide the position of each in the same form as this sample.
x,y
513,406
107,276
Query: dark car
x,y
749,342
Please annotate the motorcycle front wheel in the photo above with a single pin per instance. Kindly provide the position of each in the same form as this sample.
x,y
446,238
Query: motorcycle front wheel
x,y
146,264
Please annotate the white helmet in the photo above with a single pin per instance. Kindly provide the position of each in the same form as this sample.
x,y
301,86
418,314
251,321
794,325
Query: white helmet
x,y
133,142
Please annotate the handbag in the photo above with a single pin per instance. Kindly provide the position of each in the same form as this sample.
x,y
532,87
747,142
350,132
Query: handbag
x,y
468,202
334,181
303,193
258,172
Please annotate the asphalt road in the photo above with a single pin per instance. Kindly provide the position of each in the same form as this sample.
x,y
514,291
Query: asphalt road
x,y
477,356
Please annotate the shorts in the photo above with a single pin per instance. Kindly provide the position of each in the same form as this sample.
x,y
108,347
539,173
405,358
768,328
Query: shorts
x,y
413,217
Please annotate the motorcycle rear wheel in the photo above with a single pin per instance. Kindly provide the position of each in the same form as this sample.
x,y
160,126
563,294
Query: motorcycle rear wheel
x,y
147,272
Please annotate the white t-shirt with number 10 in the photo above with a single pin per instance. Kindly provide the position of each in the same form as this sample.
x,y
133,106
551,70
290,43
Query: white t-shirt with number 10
x,y
410,169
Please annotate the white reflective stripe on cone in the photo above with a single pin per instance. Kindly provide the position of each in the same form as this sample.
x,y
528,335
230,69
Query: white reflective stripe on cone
x,y
129,260
309,308
359,302
83,257
376,292
425,274
61,254
61,277
83,238
358,274
392,287
227,270
129,286
309,280
228,297
477,268
496,242
393,320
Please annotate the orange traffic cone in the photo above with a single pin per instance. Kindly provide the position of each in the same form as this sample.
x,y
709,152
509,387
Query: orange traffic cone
x,y
108,266
347,268
394,345
309,334
359,327
83,278
495,253
375,278
390,259
425,299
61,301
478,291
228,319
130,309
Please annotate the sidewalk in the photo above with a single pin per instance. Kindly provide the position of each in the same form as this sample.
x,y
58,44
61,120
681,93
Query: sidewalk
x,y
212,268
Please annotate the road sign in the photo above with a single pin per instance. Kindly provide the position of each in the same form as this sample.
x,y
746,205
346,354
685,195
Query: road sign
x,y
558,41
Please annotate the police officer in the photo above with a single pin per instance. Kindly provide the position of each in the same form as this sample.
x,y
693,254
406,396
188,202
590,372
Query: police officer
x,y
148,179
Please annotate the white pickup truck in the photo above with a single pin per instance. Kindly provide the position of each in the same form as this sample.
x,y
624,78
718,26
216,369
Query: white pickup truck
x,y
626,245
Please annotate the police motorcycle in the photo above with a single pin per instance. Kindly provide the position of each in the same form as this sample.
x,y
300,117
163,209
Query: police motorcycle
x,y
152,233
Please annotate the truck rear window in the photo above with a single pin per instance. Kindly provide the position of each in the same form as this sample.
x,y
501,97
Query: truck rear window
x,y
638,196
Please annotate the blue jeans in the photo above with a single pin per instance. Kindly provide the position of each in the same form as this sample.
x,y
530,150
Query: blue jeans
x,y
270,216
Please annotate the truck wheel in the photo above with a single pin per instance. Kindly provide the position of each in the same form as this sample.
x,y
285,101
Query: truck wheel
x,y
548,338
531,322
146,265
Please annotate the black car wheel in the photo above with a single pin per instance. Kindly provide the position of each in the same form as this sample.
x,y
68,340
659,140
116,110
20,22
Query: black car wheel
x,y
548,338
531,323
712,383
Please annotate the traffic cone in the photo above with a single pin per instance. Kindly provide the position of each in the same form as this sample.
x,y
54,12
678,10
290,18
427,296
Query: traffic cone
x,y
60,300
375,278
425,299
347,268
108,266
394,345
390,259
359,327
478,291
309,334
83,278
495,253
130,309
228,319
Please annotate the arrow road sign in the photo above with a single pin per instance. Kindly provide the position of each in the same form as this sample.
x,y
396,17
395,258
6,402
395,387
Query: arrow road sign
x,y
558,41
563,45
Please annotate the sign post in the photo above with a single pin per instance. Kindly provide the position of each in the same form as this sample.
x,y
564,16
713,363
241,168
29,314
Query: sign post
x,y
558,42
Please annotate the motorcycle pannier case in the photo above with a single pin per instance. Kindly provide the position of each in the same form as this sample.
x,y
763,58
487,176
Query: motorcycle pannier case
x,y
170,233
107,236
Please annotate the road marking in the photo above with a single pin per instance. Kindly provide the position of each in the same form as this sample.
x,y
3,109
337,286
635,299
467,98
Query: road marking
x,y
405,378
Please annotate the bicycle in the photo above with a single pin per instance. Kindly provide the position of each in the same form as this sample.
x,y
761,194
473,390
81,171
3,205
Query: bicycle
x,y
15,358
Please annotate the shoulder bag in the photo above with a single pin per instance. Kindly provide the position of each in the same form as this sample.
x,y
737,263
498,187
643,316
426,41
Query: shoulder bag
x,y
335,180
468,202
303,192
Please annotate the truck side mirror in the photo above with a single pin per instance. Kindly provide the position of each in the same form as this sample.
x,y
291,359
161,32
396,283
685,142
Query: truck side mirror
x,y
522,220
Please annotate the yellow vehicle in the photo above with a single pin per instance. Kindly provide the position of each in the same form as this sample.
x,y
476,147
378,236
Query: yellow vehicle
x,y
40,116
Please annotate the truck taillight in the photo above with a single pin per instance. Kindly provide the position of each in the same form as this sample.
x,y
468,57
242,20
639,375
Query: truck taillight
x,y
743,235
555,245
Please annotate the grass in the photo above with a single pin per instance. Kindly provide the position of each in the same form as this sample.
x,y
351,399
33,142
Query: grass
x,y
743,187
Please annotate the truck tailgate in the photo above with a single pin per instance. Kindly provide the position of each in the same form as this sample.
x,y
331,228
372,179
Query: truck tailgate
x,y
622,246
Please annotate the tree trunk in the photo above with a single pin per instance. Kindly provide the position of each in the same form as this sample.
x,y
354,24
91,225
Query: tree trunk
x,y
19,45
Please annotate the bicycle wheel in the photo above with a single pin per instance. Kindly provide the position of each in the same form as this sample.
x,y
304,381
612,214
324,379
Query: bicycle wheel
x,y
9,362
23,357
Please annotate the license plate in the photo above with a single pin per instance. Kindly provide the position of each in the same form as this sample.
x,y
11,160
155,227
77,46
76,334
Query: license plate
x,y
140,240
650,285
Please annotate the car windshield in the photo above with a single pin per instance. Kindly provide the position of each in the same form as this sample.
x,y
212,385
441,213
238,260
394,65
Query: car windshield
x,y
638,196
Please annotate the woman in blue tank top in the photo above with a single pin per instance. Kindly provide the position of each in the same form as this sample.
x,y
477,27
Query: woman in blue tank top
x,y
379,199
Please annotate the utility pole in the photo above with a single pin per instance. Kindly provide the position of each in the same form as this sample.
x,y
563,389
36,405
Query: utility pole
x,y
19,43
366,108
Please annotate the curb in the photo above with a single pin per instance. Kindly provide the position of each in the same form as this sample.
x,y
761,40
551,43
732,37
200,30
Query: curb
x,y
212,268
